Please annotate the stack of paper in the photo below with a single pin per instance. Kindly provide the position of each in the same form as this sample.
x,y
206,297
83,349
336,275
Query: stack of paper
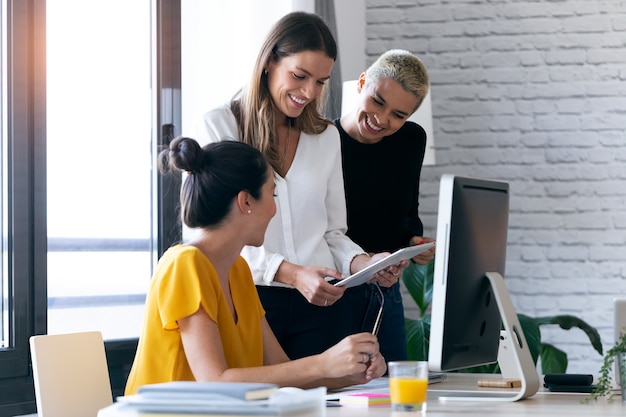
x,y
236,390
197,399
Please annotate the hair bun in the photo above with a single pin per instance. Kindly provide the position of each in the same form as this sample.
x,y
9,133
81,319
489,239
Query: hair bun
x,y
186,154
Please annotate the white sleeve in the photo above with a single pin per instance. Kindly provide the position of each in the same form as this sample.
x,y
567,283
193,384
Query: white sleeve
x,y
215,125
263,264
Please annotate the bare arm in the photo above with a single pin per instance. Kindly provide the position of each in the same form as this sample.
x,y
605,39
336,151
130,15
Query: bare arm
x,y
346,363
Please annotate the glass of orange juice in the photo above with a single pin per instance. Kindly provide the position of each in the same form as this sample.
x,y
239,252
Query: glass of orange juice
x,y
408,382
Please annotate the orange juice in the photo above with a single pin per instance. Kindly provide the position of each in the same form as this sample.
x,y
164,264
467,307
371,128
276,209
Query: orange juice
x,y
407,390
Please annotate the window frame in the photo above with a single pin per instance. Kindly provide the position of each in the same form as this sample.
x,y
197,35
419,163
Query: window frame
x,y
25,167
26,220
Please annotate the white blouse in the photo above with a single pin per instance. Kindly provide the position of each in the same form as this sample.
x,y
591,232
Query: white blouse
x,y
310,222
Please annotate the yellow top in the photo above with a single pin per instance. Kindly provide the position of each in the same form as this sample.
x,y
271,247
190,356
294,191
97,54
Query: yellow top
x,y
185,279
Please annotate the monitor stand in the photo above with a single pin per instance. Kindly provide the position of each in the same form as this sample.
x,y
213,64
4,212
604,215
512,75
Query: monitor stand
x,y
522,364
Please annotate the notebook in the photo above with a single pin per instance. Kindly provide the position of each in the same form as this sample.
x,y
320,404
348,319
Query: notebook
x,y
192,390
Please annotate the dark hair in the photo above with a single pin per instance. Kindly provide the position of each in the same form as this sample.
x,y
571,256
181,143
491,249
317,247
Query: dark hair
x,y
217,173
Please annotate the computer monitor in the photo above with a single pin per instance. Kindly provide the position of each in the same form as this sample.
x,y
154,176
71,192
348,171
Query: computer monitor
x,y
470,301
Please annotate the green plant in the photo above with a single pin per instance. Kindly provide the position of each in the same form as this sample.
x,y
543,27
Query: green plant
x,y
604,383
418,280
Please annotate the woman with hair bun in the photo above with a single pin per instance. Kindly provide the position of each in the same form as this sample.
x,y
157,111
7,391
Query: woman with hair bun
x,y
203,319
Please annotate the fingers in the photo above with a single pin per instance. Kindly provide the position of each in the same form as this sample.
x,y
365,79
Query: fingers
x,y
363,342
418,240
387,279
423,258
313,286
396,270
426,256
327,294
390,275
377,368
351,356
393,271
366,354
373,364
363,358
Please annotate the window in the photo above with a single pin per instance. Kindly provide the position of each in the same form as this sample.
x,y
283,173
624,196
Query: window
x,y
218,51
4,287
21,165
90,90
99,168
82,207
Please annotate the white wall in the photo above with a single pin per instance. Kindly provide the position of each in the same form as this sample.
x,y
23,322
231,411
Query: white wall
x,y
220,41
532,92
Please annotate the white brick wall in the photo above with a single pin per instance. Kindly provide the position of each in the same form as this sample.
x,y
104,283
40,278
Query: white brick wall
x,y
534,93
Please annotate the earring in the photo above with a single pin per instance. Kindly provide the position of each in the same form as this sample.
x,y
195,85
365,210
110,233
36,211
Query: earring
x,y
249,211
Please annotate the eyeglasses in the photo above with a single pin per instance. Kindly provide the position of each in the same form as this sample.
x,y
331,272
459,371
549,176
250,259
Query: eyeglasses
x,y
381,300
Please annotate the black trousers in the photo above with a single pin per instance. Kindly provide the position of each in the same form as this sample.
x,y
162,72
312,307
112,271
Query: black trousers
x,y
303,329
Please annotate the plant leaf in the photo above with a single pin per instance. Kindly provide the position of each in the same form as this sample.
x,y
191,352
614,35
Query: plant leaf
x,y
418,280
417,337
567,321
553,360
532,333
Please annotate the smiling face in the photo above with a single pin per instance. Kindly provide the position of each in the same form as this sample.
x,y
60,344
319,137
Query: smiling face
x,y
383,107
297,80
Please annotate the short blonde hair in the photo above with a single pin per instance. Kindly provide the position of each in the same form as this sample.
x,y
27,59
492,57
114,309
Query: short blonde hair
x,y
404,68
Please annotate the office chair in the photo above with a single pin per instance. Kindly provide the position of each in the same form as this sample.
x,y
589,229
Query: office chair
x,y
70,374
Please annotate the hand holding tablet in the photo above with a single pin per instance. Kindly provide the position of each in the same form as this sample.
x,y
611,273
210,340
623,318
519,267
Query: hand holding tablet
x,y
368,273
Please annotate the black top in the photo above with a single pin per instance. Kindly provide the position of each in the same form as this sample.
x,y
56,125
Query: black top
x,y
382,187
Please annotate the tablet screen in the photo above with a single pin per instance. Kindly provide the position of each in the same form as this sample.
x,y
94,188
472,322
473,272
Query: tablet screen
x,y
368,273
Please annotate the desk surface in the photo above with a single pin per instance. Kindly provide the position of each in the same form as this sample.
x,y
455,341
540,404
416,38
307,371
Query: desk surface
x,y
542,404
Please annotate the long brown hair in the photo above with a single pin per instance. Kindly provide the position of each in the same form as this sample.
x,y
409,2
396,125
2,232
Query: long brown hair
x,y
253,106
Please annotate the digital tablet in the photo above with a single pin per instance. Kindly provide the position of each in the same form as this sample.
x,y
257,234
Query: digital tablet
x,y
368,273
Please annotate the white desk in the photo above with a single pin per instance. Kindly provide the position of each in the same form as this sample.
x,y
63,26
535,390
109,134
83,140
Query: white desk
x,y
542,404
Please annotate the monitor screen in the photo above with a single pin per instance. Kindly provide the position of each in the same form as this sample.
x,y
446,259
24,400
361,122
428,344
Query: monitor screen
x,y
472,227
